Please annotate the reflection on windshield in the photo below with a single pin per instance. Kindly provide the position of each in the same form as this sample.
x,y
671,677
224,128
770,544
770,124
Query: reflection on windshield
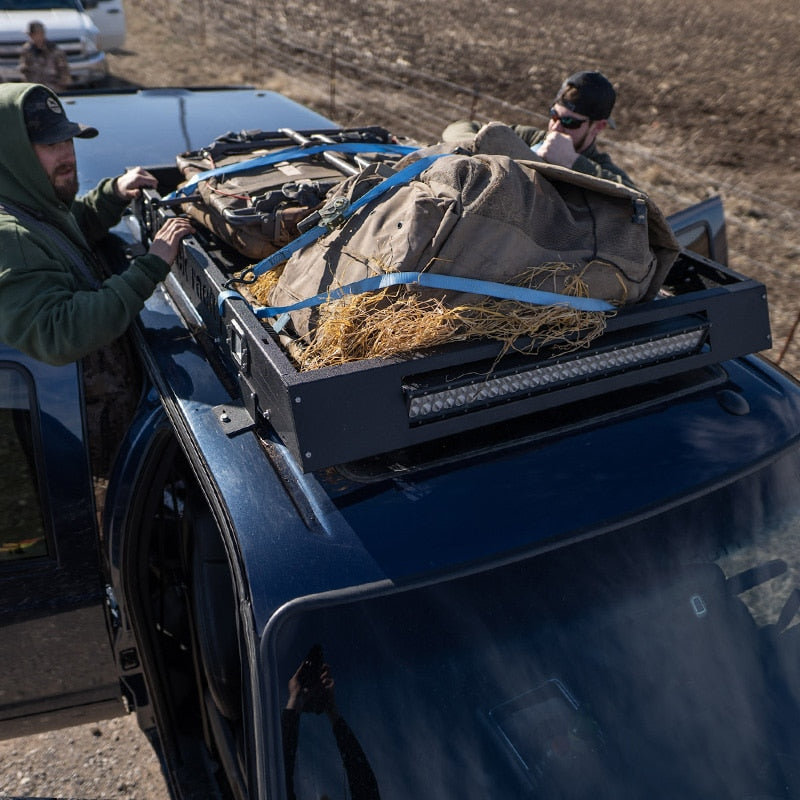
x,y
311,691
658,661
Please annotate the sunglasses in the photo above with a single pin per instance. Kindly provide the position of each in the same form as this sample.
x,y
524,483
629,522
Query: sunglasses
x,y
570,123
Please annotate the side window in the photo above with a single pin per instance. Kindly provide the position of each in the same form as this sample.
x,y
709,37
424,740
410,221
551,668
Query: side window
x,y
22,530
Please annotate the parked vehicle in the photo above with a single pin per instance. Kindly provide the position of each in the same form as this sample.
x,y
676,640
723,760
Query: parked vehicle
x,y
583,587
69,26
109,17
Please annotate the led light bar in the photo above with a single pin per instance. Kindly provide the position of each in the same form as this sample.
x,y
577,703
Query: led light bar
x,y
427,404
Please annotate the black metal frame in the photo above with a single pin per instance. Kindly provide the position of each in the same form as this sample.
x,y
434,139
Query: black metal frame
x,y
338,414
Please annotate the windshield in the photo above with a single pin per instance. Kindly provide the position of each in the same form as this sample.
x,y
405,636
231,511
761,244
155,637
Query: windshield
x,y
36,5
657,661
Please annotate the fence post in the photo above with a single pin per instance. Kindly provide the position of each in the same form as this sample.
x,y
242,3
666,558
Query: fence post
x,y
474,106
332,83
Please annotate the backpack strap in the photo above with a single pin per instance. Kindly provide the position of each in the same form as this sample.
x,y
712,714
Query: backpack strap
x,y
288,154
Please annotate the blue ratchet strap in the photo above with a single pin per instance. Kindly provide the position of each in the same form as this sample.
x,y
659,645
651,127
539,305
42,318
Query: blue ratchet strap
x,y
341,211
279,256
288,154
228,294
502,291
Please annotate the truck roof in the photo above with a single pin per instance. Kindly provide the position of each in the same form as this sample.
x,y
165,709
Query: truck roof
x,y
534,483
152,126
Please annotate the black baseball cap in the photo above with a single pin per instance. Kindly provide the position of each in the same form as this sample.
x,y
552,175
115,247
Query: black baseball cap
x,y
46,120
588,93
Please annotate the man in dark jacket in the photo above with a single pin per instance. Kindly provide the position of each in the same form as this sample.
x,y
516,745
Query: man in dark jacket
x,y
59,303
56,302
581,110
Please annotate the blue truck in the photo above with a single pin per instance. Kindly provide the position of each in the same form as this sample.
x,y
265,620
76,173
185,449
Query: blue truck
x,y
341,583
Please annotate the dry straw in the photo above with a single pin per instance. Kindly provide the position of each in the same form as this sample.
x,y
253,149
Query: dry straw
x,y
398,321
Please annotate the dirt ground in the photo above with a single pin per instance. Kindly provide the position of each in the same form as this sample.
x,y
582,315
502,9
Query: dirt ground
x,y
707,104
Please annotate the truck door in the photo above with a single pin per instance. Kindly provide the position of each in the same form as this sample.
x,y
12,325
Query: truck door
x,y
56,661
701,229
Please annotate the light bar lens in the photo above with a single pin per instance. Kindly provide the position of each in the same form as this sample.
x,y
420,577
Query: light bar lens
x,y
484,392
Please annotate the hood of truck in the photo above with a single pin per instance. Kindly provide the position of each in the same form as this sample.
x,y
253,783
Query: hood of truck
x,y
61,24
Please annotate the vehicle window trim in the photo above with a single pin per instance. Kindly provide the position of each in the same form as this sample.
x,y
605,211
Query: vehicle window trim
x,y
50,558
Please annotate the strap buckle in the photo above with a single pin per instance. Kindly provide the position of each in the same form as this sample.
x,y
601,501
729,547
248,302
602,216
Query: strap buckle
x,y
333,213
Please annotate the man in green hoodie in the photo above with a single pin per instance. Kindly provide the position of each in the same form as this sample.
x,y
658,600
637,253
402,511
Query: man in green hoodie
x,y
59,303
56,302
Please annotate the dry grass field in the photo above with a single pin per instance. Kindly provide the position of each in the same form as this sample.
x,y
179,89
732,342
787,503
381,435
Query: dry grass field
x,y
707,104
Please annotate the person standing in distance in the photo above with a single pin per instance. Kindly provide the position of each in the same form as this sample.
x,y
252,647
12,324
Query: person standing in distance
x,y
43,61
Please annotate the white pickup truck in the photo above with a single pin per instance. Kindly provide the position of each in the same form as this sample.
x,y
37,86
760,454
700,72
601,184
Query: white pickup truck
x,y
83,30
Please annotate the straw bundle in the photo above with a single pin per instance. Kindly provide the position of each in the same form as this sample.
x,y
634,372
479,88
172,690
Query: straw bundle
x,y
397,321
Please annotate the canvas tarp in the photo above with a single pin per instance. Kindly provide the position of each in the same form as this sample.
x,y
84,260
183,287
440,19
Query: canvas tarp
x,y
490,209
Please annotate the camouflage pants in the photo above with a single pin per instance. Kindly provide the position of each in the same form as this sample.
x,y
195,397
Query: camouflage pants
x,y
112,386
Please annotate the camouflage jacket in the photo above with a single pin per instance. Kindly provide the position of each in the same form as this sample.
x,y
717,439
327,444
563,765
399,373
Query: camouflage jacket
x,y
47,65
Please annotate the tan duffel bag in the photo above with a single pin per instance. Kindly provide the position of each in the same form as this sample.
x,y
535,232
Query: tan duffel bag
x,y
494,217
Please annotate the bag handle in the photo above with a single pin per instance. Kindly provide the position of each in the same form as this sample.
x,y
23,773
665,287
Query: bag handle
x,y
287,154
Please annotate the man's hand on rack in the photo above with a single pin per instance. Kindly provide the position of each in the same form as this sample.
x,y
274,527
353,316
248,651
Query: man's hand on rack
x,y
167,241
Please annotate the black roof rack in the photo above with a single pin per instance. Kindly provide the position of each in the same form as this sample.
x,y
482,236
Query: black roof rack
x,y
334,415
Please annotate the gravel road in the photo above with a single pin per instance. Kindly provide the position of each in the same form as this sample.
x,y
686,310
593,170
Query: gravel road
x,y
97,761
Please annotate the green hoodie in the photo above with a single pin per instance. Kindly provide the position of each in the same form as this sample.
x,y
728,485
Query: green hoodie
x,y
49,309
